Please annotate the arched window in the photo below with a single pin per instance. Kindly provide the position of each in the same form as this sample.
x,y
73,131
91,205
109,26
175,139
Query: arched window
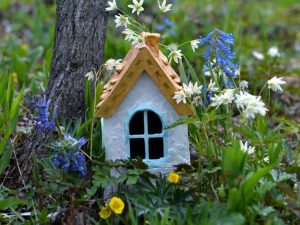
x,y
146,136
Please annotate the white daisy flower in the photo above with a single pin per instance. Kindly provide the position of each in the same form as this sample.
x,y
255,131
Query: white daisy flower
x,y
180,96
164,7
258,55
243,85
121,20
275,83
175,55
137,6
247,149
111,64
273,52
195,44
112,6
224,98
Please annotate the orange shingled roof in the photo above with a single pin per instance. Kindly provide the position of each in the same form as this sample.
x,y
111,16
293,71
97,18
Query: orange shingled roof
x,y
142,57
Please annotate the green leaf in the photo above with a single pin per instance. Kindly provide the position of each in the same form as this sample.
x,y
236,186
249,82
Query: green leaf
x,y
251,181
5,158
10,202
234,199
182,73
5,138
15,106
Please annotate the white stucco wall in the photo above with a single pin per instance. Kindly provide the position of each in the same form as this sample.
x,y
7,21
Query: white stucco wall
x,y
145,92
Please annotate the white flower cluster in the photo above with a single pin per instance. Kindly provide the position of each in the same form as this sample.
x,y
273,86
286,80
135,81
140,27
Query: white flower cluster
x,y
250,105
188,91
225,98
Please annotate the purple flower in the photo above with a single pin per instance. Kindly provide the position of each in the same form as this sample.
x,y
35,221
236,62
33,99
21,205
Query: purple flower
x,y
229,84
79,163
42,120
206,39
58,160
220,43
159,27
74,160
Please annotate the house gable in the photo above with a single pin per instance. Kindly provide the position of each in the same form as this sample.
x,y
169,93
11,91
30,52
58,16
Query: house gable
x,y
141,58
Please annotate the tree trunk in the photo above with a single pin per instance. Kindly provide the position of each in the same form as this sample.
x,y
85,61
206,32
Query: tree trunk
x,y
78,49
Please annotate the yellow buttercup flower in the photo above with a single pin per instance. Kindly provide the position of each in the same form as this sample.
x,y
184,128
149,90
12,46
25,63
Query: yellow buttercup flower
x,y
173,177
117,205
105,212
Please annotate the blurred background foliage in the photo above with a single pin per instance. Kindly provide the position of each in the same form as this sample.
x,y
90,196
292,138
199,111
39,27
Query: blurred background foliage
x,y
26,38
27,30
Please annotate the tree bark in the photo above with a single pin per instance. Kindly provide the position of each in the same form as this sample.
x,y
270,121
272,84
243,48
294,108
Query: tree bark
x,y
78,49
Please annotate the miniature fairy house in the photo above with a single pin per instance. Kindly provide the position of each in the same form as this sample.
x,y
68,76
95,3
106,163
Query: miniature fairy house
x,y
137,105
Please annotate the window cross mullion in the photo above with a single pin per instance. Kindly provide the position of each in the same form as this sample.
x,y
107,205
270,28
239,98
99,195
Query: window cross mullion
x,y
146,134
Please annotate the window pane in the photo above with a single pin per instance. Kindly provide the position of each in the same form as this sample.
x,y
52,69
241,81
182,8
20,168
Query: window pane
x,y
136,125
156,148
154,123
137,148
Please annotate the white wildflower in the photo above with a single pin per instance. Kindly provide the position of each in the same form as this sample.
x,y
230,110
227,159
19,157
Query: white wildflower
x,y
197,101
275,83
273,52
255,106
258,55
121,20
247,149
243,85
224,98
175,55
112,6
131,36
111,64
180,96
195,44
137,6
207,73
242,98
196,90
250,105
192,89
164,7
90,75
188,89
267,159
212,86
